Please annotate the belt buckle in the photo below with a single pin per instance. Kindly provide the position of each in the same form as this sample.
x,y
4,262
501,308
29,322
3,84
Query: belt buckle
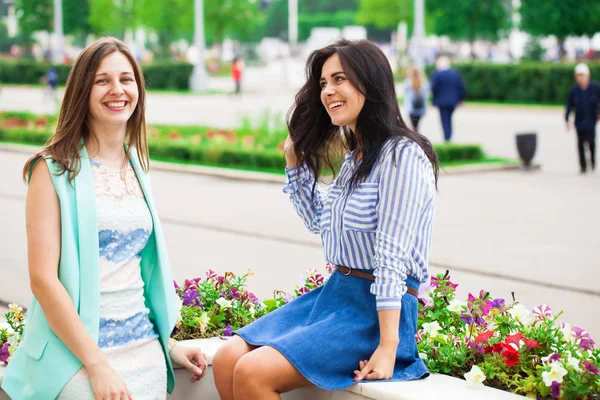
x,y
345,270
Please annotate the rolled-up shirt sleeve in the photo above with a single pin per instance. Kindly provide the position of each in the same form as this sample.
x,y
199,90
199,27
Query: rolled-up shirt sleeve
x,y
405,190
299,186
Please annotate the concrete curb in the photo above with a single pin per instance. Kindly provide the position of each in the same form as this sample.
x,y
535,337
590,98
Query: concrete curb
x,y
265,177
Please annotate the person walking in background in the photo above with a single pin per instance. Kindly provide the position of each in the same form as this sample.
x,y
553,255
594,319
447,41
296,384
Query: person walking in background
x,y
237,70
448,90
584,96
51,81
415,95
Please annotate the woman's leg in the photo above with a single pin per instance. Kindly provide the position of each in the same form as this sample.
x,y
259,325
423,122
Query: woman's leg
x,y
264,374
224,363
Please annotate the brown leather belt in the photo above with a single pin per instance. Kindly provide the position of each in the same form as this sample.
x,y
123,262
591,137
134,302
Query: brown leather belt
x,y
355,272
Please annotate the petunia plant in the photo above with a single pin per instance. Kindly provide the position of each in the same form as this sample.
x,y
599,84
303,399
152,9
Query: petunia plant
x,y
503,344
11,331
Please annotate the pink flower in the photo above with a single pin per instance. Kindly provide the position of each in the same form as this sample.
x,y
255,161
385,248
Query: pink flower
x,y
4,354
484,337
542,312
590,368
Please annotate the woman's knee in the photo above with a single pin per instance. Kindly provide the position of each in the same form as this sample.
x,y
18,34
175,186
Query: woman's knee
x,y
229,354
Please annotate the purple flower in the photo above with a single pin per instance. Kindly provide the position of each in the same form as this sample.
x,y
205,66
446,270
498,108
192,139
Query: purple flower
x,y
476,347
316,280
589,368
554,357
287,299
498,303
189,284
227,331
555,390
211,274
235,293
586,344
466,317
220,280
175,284
191,297
4,354
303,290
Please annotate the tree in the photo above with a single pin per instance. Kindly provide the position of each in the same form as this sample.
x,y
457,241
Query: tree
x,y
34,15
237,18
76,14
112,17
385,14
560,18
470,20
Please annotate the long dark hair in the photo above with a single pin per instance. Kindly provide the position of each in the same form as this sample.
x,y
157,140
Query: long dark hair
x,y
309,124
64,145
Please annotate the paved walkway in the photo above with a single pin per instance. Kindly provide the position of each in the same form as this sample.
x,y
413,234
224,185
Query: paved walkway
x,y
524,232
531,233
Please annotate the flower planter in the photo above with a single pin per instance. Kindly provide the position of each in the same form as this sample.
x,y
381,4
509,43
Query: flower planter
x,y
426,389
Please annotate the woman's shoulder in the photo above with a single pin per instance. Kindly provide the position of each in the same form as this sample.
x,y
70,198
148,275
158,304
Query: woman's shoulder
x,y
403,146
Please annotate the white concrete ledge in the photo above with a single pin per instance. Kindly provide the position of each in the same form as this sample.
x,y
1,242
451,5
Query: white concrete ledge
x,y
434,387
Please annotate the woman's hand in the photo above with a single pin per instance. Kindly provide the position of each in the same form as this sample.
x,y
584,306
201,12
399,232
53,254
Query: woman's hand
x,y
192,359
107,384
290,153
380,366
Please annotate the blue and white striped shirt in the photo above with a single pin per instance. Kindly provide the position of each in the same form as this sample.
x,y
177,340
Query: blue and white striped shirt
x,y
384,224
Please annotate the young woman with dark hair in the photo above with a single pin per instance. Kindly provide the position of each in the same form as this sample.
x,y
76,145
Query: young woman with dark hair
x,y
375,222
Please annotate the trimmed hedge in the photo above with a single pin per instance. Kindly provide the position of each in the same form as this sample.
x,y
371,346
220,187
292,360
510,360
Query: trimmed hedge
x,y
525,82
160,75
229,155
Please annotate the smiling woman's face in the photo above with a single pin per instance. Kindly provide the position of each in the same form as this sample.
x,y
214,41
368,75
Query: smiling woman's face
x,y
341,99
114,94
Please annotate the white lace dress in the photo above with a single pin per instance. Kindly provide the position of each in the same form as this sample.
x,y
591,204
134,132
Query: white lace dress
x,y
126,335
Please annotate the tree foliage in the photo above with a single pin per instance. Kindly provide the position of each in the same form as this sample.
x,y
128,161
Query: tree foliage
x,y
560,18
470,20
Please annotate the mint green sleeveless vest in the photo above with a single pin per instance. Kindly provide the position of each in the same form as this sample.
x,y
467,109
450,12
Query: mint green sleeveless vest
x,y
43,364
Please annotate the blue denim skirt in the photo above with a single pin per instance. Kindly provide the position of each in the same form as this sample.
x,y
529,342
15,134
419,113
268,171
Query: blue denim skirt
x,y
326,332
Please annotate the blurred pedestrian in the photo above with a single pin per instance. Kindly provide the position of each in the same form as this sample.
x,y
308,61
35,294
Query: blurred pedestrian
x,y
237,70
584,96
51,82
448,91
415,96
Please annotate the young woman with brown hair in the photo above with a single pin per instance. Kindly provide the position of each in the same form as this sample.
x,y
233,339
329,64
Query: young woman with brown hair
x,y
103,304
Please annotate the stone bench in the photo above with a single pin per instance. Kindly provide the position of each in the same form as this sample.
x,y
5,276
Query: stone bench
x,y
434,387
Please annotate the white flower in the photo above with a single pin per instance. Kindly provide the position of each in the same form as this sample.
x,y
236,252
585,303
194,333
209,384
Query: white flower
x,y
556,373
475,377
431,328
521,314
224,303
457,305
574,362
15,308
423,356
567,332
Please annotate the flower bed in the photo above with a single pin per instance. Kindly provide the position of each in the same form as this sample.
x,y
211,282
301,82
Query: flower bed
x,y
258,147
485,340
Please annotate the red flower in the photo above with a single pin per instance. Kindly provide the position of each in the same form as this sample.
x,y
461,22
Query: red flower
x,y
484,337
510,355
531,344
488,350
515,339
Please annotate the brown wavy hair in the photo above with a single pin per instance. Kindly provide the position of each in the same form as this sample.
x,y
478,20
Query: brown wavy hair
x,y
72,125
